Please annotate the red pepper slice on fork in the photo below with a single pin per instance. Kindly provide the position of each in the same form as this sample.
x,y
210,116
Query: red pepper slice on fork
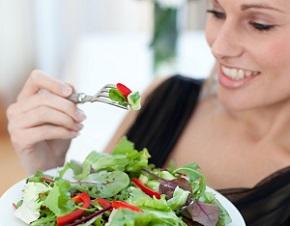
x,y
68,218
124,90
146,189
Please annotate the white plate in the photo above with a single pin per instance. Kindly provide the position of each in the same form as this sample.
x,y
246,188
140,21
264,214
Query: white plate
x,y
13,195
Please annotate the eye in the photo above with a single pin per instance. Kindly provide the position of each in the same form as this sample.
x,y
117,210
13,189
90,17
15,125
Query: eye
x,y
262,27
216,14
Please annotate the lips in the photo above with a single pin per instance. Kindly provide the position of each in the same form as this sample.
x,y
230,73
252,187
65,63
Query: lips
x,y
235,77
237,74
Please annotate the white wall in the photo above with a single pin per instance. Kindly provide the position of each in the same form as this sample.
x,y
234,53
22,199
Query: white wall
x,y
116,15
16,42
58,26
61,23
196,14
42,33
133,15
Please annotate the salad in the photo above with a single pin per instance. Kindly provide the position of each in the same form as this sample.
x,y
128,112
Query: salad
x,y
125,96
120,189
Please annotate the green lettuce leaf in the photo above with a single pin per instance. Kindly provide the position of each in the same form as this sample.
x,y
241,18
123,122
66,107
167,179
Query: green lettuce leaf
x,y
140,199
123,158
136,160
134,100
109,184
59,200
195,177
47,220
124,217
87,165
179,198
116,95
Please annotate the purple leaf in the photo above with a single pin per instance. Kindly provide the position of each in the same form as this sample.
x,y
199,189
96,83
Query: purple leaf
x,y
204,213
167,187
189,222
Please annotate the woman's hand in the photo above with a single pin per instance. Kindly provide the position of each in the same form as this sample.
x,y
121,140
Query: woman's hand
x,y
42,122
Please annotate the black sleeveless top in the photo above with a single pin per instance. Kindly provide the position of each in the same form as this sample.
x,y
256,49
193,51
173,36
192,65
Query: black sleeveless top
x,y
161,122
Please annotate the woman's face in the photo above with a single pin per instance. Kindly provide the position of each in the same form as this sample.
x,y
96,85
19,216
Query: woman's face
x,y
250,40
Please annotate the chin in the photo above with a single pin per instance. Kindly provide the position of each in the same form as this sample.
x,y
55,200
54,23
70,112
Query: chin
x,y
235,102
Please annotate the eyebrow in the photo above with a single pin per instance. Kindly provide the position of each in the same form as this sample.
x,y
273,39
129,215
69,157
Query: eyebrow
x,y
259,6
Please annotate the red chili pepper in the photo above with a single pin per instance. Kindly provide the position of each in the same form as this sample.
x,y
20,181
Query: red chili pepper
x,y
103,202
124,90
146,189
68,218
125,205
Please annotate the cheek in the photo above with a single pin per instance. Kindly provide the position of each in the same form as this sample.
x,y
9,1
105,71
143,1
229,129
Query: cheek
x,y
275,56
277,66
272,58
210,32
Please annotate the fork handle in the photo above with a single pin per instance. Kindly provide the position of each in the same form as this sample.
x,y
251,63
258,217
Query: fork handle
x,y
73,98
78,98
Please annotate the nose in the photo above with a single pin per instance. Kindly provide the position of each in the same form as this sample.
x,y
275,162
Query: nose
x,y
226,43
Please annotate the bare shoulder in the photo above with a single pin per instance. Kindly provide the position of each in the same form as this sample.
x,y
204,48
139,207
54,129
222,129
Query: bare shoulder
x,y
131,116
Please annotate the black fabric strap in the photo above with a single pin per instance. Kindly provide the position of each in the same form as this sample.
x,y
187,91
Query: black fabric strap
x,y
164,116
268,203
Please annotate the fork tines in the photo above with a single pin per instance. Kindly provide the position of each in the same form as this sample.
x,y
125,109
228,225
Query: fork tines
x,y
103,96
105,90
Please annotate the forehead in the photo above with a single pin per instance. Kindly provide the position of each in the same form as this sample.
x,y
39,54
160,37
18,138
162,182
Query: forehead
x,y
279,4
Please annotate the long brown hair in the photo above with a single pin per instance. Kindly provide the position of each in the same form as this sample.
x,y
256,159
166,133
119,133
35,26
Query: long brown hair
x,y
209,87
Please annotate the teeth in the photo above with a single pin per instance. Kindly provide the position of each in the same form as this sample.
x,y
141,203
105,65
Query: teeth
x,y
248,74
237,74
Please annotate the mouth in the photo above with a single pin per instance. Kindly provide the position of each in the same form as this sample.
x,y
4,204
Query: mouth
x,y
230,77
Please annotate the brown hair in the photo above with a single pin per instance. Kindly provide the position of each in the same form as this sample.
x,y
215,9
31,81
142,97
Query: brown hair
x,y
209,87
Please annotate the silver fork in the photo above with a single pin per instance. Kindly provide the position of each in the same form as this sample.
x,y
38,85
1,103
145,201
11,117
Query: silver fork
x,y
101,96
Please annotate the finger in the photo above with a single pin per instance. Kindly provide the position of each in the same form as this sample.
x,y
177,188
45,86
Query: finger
x,y
50,100
39,80
44,115
25,139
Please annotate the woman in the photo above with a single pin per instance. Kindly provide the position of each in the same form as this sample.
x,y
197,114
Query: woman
x,y
239,135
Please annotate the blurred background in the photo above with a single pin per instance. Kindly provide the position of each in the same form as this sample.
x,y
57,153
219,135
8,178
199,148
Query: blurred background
x,y
90,43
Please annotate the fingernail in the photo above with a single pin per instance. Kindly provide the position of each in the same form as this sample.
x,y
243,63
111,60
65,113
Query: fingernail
x,y
74,134
66,90
79,126
80,115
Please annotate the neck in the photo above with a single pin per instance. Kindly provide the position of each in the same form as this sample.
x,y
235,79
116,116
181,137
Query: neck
x,y
271,122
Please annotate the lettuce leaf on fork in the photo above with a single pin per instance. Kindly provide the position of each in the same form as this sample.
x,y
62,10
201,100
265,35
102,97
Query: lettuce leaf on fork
x,y
131,99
